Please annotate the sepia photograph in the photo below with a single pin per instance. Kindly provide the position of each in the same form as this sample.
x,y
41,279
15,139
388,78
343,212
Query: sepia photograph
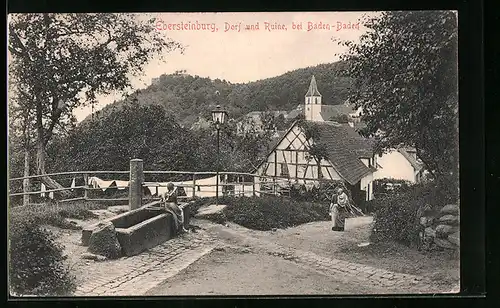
x,y
219,154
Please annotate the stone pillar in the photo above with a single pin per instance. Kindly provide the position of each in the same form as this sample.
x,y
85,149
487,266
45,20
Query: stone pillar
x,y
135,184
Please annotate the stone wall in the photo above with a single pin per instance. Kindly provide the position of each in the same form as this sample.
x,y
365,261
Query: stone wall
x,y
441,228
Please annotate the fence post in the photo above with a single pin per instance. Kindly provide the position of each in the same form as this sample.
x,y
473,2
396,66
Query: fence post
x,y
253,186
86,184
135,183
26,182
194,185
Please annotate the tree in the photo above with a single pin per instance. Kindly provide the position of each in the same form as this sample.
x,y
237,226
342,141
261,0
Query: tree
x,y
62,61
406,81
316,147
137,130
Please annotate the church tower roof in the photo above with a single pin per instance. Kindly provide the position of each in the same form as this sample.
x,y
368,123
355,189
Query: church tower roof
x,y
313,88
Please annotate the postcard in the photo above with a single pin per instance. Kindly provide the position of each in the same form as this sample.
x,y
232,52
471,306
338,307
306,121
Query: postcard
x,y
195,154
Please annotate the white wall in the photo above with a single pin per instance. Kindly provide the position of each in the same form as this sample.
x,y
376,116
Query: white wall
x,y
393,165
312,111
367,185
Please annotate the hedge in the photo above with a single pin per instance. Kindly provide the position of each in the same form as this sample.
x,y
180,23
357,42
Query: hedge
x,y
397,215
36,261
267,212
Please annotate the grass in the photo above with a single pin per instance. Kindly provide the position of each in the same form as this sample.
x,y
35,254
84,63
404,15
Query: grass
x,y
57,215
440,266
267,212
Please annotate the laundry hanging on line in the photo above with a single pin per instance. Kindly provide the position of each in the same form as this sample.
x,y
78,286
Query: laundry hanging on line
x,y
96,182
43,189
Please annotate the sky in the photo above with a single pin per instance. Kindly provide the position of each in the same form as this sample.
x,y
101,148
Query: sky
x,y
244,55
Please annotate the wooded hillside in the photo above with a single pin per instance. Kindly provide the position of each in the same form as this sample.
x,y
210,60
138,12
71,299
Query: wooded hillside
x,y
186,97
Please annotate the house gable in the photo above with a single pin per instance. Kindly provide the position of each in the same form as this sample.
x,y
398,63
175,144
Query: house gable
x,y
343,160
411,157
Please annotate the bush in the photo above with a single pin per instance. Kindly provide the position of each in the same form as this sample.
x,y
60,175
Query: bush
x,y
55,215
397,215
380,186
76,213
269,212
321,193
36,261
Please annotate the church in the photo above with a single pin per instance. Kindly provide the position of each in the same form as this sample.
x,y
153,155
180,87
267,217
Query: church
x,y
348,156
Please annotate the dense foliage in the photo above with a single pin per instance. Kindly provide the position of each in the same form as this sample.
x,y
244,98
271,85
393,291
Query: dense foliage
x,y
149,132
396,215
36,261
406,81
134,131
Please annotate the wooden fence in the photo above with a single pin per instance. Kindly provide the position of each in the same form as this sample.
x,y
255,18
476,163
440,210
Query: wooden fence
x,y
200,184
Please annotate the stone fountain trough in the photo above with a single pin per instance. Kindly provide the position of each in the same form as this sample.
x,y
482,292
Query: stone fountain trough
x,y
139,229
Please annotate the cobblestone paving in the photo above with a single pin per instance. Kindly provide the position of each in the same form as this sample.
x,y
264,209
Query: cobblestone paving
x,y
137,274
392,281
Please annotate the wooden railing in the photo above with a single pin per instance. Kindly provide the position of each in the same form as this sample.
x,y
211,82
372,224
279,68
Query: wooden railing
x,y
251,185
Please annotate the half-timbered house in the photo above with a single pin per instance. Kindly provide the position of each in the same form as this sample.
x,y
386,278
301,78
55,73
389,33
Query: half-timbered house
x,y
349,157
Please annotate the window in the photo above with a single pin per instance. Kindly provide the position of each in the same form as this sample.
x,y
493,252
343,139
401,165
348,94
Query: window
x,y
315,100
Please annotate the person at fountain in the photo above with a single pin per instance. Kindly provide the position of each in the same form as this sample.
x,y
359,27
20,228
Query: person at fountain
x,y
169,199
338,210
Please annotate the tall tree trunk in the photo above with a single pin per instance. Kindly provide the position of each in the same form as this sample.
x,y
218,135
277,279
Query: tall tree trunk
x,y
40,163
26,182
40,155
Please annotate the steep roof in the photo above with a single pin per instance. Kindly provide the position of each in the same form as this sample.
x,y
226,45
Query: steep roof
x,y
329,111
345,147
411,159
313,88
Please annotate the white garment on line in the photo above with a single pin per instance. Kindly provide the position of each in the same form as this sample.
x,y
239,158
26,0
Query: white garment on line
x,y
73,184
105,184
162,188
96,182
124,184
43,189
152,190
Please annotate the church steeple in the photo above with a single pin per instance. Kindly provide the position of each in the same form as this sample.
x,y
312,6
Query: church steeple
x,y
312,102
313,88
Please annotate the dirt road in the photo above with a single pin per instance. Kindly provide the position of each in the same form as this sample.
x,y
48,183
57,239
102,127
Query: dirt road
x,y
233,272
249,266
